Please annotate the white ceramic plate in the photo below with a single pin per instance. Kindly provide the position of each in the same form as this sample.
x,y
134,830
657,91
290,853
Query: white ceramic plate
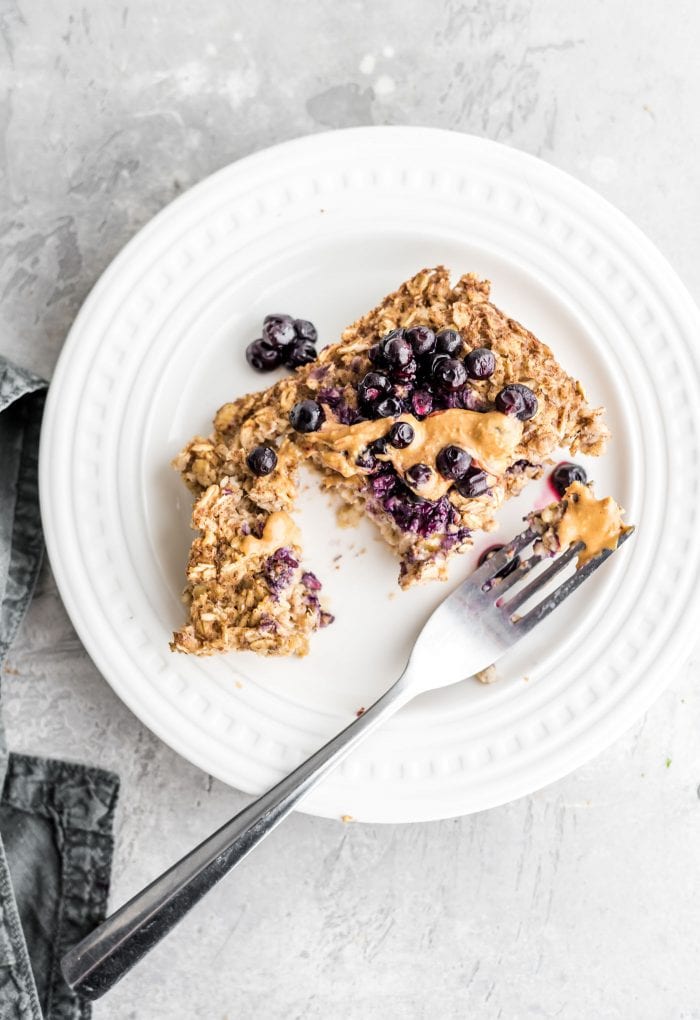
x,y
323,227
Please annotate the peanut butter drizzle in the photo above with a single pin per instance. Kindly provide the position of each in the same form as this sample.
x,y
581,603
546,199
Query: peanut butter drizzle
x,y
491,439
595,522
280,530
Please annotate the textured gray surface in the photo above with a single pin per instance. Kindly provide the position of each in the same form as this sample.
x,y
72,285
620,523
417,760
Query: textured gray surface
x,y
581,901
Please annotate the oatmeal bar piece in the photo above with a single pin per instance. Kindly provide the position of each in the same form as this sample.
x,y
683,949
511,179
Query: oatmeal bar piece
x,y
430,411
424,522
579,517
246,586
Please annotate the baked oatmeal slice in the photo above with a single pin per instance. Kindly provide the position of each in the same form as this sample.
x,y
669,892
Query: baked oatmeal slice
x,y
246,585
446,363
430,411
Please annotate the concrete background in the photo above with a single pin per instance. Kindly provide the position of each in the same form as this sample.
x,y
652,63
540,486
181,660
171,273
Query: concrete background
x,y
581,901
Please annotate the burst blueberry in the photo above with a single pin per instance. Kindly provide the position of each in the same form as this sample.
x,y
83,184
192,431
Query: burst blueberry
x,y
306,416
453,462
421,402
566,473
336,401
480,363
415,514
384,484
310,581
279,570
404,373
262,460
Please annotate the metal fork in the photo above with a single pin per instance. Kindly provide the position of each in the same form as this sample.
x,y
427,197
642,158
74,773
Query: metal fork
x,y
467,633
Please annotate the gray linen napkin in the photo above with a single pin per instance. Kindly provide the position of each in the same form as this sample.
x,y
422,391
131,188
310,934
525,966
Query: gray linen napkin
x,y
55,817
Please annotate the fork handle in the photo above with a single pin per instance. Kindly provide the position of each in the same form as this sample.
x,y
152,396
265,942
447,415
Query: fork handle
x,y
106,954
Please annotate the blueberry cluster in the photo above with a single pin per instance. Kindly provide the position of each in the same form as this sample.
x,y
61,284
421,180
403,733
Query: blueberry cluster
x,y
409,511
420,371
284,341
455,463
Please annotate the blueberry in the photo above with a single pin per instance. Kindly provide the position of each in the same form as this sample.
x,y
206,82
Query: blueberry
x,y
263,356
421,402
389,407
450,400
470,400
310,581
491,551
279,570
393,335
448,341
566,473
301,352
473,483
397,351
449,374
335,400
519,467
404,373
277,317
373,387
453,461
401,435
421,516
366,460
306,416
421,339
379,446
517,400
279,330
262,460
432,362
384,484
376,356
305,330
418,475
480,363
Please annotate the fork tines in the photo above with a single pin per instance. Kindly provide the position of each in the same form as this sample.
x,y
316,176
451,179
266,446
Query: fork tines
x,y
489,581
